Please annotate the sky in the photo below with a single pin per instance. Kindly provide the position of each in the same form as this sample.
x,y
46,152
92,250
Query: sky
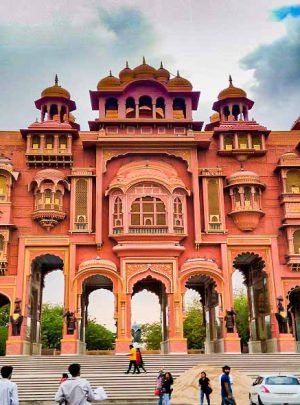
x,y
257,42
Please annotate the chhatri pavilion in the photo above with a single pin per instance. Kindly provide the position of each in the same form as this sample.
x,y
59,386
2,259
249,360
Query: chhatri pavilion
x,y
149,199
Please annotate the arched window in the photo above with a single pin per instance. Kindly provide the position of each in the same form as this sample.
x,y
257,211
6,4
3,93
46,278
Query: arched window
x,y
297,242
57,200
236,112
54,112
63,141
179,109
3,188
36,142
247,196
1,246
47,199
63,114
226,113
178,215
228,142
38,200
148,211
118,215
293,181
257,198
145,107
49,142
160,108
81,190
237,199
130,107
111,108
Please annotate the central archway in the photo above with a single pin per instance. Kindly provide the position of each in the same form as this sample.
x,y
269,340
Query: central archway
x,y
4,322
294,314
156,287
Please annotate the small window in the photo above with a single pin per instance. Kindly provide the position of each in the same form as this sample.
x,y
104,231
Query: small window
x,y
49,142
35,142
243,141
47,199
228,142
63,142
296,239
3,188
293,181
256,142
1,246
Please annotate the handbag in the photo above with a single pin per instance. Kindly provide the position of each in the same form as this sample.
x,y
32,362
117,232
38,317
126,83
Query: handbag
x,y
209,390
157,392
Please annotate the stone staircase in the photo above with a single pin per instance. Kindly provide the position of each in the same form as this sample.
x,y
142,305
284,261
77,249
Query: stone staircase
x,y
38,377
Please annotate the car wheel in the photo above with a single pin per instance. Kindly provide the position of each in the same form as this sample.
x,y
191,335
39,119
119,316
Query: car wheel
x,y
259,401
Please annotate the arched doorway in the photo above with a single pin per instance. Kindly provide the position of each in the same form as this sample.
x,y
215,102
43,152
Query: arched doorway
x,y
294,314
41,266
194,327
241,308
4,322
97,296
251,266
156,287
205,286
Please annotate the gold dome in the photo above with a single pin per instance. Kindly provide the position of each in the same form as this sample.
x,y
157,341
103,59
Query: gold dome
x,y
162,74
231,92
179,81
108,81
144,71
215,117
56,91
126,74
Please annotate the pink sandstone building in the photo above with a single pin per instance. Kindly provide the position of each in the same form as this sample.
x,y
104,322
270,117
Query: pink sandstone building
x,y
148,199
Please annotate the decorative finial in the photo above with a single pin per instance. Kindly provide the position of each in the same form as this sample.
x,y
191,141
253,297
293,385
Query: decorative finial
x,y
127,66
230,81
144,60
178,75
161,65
110,74
56,80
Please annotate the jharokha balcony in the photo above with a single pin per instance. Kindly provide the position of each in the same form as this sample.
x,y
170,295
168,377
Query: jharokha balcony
x,y
48,215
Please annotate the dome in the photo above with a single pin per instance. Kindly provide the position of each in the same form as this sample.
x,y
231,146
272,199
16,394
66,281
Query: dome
x,y
243,177
215,117
162,74
179,81
108,81
126,74
231,92
289,155
56,91
50,174
144,71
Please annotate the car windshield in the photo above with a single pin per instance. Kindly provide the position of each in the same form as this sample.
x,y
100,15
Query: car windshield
x,y
281,380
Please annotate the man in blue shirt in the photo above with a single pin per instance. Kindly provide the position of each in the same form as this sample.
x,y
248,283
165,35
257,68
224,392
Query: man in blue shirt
x,y
226,389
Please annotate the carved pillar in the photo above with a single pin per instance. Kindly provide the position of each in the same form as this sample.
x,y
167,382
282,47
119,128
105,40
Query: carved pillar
x,y
124,338
196,197
99,195
69,143
55,148
28,143
42,144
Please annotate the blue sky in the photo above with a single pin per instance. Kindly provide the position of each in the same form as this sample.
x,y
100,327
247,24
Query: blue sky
x,y
257,42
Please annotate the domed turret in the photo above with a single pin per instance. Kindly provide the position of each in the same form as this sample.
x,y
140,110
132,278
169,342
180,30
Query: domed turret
x,y
179,82
163,75
243,177
231,92
126,74
108,82
56,91
144,71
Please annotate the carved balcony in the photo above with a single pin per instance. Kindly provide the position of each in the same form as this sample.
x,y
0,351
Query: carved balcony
x,y
48,215
246,220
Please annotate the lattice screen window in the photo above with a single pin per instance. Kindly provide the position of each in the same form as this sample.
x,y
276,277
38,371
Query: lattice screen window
x,y
293,181
177,214
81,190
36,142
297,242
213,204
63,142
2,246
3,188
148,211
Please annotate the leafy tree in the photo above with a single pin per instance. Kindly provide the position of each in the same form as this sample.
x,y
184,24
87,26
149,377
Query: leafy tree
x,y
151,335
4,315
4,320
242,314
193,327
51,326
98,337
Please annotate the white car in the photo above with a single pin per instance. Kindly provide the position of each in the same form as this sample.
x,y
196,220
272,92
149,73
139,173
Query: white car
x,y
275,389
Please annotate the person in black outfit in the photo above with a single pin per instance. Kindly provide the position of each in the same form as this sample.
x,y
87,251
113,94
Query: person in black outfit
x,y
167,388
204,388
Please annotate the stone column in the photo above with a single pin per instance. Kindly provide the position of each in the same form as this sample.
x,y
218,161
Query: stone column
x,y
124,338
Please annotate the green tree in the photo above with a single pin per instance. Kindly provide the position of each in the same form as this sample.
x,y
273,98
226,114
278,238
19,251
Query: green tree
x,y
4,320
242,313
193,327
151,335
4,315
98,337
51,326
